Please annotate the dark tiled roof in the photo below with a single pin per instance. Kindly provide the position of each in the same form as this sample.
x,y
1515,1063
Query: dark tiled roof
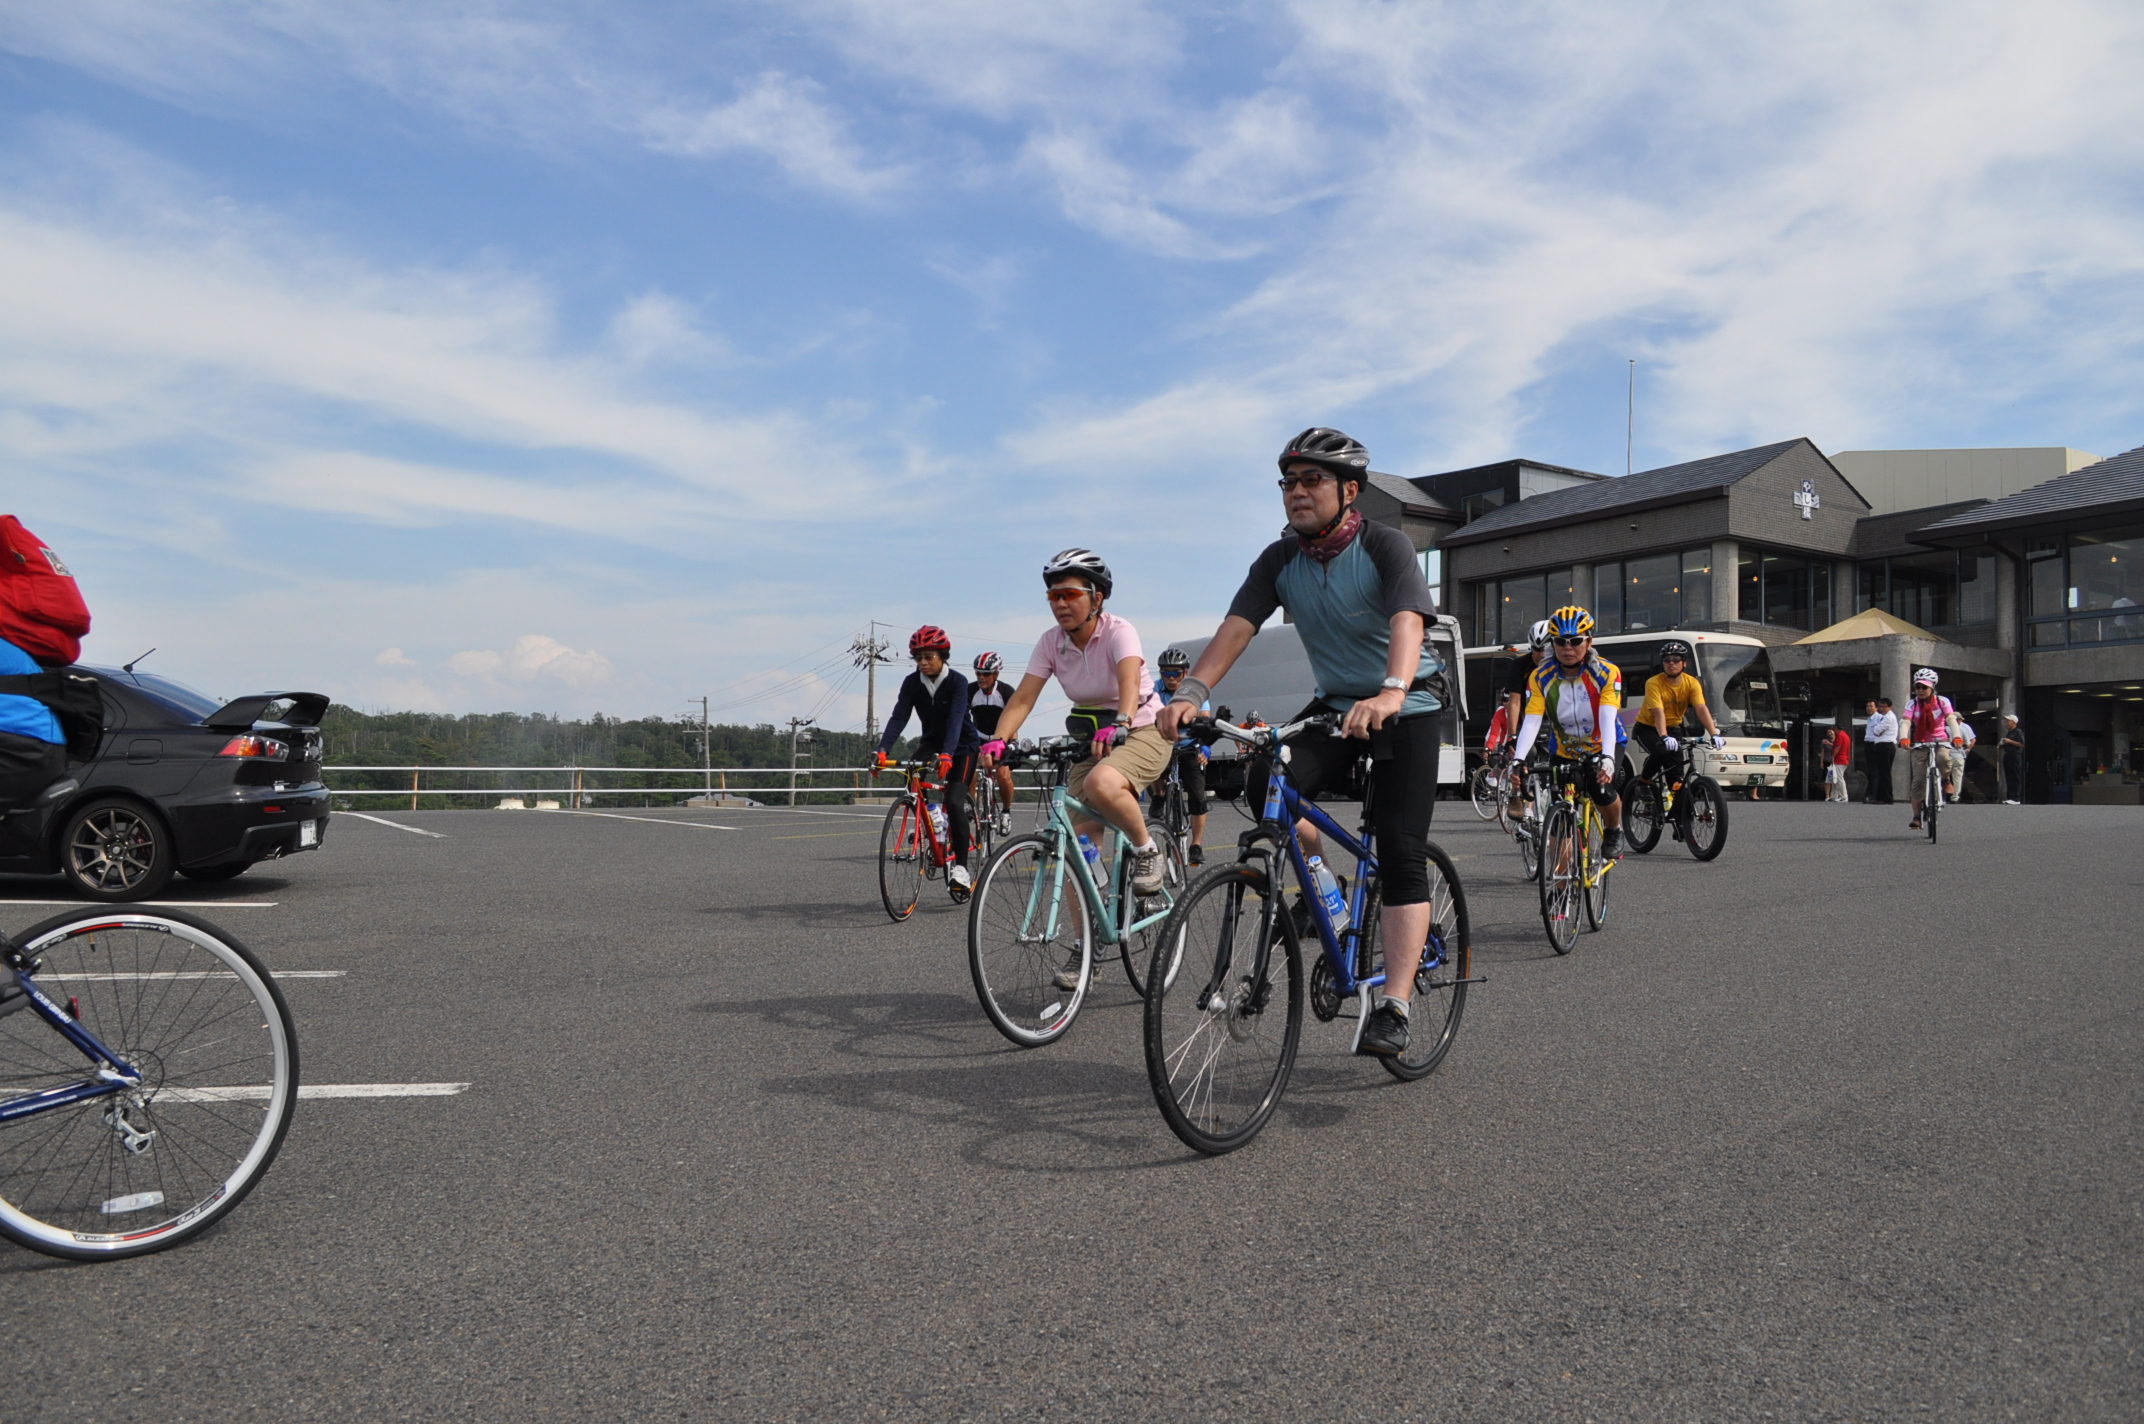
x,y
1880,534
1411,496
1502,465
2110,487
1669,484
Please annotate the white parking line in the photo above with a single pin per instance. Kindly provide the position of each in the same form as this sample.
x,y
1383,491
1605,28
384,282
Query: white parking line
x,y
651,820
257,1091
383,821
186,974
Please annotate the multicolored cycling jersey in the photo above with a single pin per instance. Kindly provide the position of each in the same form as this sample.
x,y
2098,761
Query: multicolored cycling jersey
x,y
1577,721
1674,697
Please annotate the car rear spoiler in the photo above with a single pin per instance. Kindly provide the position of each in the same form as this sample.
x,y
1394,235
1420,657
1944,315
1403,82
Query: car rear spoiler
x,y
306,710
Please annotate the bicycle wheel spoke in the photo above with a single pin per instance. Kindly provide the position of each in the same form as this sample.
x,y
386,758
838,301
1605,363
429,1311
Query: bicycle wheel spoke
x,y
1022,939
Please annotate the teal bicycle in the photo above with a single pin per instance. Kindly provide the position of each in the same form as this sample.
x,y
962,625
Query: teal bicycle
x,y
1040,910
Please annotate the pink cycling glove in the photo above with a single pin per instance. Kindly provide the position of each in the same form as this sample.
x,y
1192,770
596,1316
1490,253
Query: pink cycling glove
x,y
994,748
1107,740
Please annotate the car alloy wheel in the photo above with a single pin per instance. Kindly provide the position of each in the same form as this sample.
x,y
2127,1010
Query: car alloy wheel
x,y
116,851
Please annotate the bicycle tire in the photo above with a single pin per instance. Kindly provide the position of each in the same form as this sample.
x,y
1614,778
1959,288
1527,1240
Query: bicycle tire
x,y
1137,949
982,818
1597,870
160,989
1528,837
1014,957
1485,792
900,858
1706,832
1440,983
1218,1049
1643,815
1559,895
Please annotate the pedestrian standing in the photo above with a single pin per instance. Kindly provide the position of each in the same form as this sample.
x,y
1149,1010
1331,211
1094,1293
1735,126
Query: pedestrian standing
x,y
1842,754
1882,738
2013,749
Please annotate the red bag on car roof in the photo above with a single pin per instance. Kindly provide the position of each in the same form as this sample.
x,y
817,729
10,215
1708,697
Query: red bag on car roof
x,y
41,609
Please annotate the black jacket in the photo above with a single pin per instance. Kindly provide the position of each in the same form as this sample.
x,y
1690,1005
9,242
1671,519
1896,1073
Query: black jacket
x,y
948,730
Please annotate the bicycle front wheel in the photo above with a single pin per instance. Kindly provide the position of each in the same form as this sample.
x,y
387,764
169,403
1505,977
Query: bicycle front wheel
x,y
1221,1035
1440,984
1028,940
1528,834
1560,892
1706,834
1487,793
900,857
1138,949
1643,815
148,1167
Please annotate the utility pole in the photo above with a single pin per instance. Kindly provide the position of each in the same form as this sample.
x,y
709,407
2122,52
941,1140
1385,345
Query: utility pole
x,y
871,650
707,761
1630,426
799,732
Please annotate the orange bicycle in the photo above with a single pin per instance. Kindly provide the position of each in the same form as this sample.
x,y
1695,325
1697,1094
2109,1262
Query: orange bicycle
x,y
916,843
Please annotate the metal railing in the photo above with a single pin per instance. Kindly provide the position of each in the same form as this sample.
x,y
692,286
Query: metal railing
x,y
583,782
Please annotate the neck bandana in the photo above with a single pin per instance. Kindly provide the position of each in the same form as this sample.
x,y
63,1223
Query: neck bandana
x,y
1333,543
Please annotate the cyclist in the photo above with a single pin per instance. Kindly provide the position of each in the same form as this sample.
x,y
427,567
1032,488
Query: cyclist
x,y
1671,695
1579,692
985,704
1512,705
1190,756
939,698
1926,728
1356,594
1096,659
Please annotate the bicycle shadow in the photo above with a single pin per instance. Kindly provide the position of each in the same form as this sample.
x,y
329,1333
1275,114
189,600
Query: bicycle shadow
x,y
829,913
871,1025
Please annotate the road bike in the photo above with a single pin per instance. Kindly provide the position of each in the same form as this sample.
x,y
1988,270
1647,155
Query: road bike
x,y
1487,785
988,804
148,1070
1574,873
1224,1011
1172,807
1932,785
1677,796
916,844
1031,948
1534,795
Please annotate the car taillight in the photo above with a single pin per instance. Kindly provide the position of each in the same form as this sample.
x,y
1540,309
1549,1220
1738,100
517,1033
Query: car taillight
x,y
252,746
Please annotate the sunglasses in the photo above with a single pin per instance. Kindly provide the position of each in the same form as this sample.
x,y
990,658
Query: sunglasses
x,y
1577,642
1309,481
1066,595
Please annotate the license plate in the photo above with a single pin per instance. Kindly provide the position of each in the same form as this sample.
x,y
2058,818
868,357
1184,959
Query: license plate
x,y
1758,760
308,834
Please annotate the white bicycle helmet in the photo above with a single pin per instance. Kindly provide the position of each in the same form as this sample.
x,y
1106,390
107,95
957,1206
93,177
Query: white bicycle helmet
x,y
1927,675
1079,563
1537,636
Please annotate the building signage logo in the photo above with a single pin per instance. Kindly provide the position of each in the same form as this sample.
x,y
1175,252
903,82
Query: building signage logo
x,y
1806,497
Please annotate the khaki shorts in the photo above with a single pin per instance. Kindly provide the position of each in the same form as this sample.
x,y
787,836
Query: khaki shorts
x,y
1143,759
1945,766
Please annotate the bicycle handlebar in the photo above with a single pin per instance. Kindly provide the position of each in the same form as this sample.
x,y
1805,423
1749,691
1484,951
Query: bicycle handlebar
x,y
1262,738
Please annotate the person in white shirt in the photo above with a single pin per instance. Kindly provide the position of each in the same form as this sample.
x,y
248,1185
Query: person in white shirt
x,y
1881,736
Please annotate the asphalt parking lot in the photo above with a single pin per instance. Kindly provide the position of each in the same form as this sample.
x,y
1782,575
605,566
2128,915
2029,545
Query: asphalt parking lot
x,y
1843,1126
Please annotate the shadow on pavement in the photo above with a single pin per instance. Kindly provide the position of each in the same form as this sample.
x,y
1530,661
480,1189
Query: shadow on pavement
x,y
873,1025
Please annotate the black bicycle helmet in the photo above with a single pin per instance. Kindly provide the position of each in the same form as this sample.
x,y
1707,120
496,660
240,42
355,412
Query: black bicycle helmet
x,y
1079,563
1673,648
1174,660
1329,450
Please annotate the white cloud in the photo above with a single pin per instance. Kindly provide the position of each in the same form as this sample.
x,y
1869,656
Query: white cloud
x,y
532,656
394,657
785,119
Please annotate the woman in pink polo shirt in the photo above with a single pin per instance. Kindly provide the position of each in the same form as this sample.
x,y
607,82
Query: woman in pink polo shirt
x,y
1096,659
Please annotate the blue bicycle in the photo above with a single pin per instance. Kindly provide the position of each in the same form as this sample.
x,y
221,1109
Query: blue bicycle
x,y
148,1070
1222,1026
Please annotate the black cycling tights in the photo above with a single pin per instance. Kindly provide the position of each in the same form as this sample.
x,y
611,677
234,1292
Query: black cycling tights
x,y
956,804
1403,786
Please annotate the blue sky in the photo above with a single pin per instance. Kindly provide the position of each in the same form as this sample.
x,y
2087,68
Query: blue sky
x,y
573,357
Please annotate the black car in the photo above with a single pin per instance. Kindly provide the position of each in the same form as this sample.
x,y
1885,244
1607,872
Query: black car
x,y
179,783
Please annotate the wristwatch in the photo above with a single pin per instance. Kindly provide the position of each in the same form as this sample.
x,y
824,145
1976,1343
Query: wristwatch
x,y
1394,684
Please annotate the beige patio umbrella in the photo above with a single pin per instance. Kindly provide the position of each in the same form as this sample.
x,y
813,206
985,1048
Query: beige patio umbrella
x,y
1869,623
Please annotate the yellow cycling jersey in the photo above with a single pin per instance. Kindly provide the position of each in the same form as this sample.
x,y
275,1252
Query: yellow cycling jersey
x,y
1577,731
1674,699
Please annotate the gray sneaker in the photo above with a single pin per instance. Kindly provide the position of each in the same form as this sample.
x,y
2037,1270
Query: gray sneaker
x,y
1146,869
1067,978
1004,823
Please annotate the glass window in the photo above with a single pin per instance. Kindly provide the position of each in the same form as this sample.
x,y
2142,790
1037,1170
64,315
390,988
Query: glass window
x,y
1739,686
1696,586
1976,586
1652,592
1924,588
2047,580
1522,606
1484,613
2107,571
1433,568
1474,506
1558,592
2047,635
1608,598
1872,586
1820,595
1786,592
1749,587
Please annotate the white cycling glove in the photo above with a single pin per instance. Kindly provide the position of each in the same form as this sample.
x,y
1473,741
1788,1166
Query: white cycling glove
x,y
1718,741
1671,744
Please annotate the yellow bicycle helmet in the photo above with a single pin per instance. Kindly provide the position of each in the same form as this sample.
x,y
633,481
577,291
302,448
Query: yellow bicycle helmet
x,y
1572,621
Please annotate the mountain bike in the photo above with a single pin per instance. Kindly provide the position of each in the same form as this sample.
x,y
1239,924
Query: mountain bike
x,y
1677,796
1031,950
148,1069
1224,1011
915,844
1574,874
